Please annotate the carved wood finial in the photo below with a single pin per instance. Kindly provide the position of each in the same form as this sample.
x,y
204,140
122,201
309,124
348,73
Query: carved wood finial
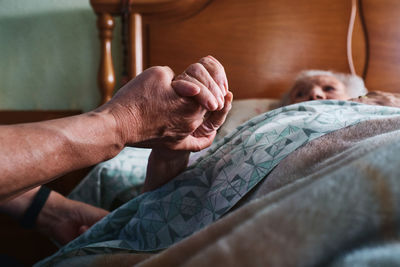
x,y
106,75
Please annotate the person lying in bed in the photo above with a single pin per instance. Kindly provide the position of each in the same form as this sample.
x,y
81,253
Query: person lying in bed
x,y
320,85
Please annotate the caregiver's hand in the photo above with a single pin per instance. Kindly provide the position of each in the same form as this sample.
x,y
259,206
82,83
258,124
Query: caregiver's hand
x,y
63,219
149,112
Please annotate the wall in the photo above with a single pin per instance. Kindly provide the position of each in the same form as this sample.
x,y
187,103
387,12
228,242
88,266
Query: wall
x,y
49,55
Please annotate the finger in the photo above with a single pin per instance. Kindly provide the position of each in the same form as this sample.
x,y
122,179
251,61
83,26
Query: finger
x,y
215,119
192,143
185,88
200,73
204,98
217,72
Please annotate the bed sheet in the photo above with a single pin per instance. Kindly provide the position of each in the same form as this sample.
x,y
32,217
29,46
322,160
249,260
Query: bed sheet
x,y
114,182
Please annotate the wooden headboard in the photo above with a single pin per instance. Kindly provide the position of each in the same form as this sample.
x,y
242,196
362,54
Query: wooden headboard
x,y
263,44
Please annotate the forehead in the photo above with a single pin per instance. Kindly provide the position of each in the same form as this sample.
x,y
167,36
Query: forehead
x,y
322,79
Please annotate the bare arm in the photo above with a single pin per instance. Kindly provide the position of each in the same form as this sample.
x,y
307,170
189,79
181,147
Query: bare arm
x,y
33,154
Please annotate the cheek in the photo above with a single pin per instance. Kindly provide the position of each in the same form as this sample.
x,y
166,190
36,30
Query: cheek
x,y
339,95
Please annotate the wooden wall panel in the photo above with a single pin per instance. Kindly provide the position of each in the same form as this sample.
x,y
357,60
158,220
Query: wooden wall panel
x,y
263,44
382,20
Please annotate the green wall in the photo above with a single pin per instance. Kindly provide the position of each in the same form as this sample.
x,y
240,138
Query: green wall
x,y
49,54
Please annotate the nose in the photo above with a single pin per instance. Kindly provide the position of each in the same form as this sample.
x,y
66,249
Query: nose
x,y
316,93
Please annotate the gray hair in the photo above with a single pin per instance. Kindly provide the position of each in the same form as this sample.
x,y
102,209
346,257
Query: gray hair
x,y
354,84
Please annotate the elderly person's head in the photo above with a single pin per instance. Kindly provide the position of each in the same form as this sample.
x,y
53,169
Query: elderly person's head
x,y
319,85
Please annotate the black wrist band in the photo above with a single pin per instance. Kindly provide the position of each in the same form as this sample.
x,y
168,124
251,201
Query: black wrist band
x,y
32,212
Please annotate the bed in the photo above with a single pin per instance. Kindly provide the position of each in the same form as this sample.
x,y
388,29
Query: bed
x,y
262,44
331,196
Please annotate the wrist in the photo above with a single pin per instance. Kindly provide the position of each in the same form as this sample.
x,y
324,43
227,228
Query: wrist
x,y
51,213
169,155
124,122
163,165
111,131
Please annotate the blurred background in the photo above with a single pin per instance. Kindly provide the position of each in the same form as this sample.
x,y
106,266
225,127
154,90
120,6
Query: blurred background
x,y
49,55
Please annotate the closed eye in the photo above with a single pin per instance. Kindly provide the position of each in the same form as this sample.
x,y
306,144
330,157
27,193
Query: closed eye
x,y
329,88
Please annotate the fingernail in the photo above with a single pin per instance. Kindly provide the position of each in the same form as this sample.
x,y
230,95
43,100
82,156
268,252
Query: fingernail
x,y
212,105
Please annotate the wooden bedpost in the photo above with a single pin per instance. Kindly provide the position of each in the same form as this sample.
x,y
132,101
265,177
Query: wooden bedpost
x,y
135,66
106,75
140,12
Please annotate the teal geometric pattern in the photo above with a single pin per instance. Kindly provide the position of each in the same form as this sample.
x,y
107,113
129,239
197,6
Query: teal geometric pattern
x,y
209,188
114,182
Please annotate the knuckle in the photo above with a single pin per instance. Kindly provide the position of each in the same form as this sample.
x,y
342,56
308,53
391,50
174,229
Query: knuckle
x,y
180,77
192,126
206,60
213,125
195,69
160,72
157,70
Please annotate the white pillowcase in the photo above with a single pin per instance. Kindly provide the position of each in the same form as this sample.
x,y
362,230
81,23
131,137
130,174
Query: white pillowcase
x,y
243,110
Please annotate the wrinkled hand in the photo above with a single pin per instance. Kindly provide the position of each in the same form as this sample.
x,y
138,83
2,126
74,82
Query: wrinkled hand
x,y
207,73
164,164
379,98
149,112
206,81
63,219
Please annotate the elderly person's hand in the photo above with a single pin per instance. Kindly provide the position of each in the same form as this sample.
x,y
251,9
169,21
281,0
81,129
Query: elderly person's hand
x,y
149,112
379,98
208,78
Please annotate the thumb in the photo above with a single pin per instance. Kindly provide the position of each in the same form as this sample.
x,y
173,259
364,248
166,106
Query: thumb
x,y
185,88
215,119
193,143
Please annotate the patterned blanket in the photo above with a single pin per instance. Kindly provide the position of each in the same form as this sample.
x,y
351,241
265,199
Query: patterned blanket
x,y
211,187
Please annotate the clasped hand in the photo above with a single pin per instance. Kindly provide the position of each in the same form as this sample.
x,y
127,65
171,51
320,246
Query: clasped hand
x,y
157,109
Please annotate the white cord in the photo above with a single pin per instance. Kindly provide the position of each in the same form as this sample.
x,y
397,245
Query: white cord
x,y
350,36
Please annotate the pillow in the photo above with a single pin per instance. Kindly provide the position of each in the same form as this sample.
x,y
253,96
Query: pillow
x,y
243,110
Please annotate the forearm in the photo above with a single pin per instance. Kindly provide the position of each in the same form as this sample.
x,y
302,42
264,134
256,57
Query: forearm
x,y
163,165
18,205
35,153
